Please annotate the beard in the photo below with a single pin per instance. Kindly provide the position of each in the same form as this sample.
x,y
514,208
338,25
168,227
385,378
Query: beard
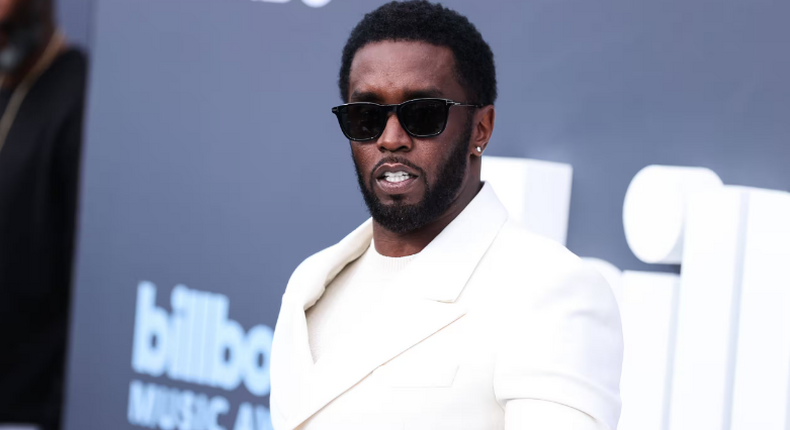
x,y
403,218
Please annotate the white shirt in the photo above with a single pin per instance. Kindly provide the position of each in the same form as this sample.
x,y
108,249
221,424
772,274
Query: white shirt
x,y
341,308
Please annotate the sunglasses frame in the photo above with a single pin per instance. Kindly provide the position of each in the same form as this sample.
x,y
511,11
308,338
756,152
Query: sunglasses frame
x,y
387,109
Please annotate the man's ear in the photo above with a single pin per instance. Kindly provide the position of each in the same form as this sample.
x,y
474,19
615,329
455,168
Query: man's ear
x,y
482,128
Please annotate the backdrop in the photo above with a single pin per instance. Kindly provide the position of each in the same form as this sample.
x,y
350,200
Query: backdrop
x,y
212,162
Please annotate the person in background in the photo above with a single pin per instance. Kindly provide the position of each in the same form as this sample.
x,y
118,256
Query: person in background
x,y
42,83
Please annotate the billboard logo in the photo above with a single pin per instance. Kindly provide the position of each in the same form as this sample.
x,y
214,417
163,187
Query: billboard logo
x,y
197,343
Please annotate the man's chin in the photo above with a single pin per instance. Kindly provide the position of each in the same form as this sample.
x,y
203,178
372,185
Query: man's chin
x,y
397,202
397,217
412,196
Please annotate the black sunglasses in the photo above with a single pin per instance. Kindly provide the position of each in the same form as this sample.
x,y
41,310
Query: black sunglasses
x,y
419,117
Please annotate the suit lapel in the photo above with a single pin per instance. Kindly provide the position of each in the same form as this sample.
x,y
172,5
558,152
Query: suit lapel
x,y
443,268
385,335
294,372
425,292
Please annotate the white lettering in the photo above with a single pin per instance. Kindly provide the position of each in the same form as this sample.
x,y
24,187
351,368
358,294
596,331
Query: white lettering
x,y
157,406
259,347
141,404
537,194
198,343
249,419
150,333
311,3
218,406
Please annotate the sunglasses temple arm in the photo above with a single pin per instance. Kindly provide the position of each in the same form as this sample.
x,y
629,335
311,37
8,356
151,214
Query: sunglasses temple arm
x,y
465,104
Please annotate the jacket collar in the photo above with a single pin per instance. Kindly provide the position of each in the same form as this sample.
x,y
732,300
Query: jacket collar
x,y
443,267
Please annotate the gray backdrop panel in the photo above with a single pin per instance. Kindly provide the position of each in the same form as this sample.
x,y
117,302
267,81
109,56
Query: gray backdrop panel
x,y
212,158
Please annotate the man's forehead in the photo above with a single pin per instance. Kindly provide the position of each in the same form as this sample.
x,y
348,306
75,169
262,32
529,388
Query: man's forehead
x,y
402,67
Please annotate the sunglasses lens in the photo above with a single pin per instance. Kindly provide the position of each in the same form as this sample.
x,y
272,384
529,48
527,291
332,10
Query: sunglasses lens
x,y
424,117
361,121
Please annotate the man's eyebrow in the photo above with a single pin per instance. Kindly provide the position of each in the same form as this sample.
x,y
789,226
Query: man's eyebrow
x,y
425,93
365,96
373,97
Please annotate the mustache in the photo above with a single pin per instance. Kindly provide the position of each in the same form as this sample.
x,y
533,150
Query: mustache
x,y
400,160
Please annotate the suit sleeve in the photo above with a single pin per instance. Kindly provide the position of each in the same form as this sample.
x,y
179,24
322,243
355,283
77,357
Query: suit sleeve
x,y
540,414
562,345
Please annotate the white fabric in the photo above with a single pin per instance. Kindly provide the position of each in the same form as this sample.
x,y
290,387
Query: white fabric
x,y
492,327
342,305
540,414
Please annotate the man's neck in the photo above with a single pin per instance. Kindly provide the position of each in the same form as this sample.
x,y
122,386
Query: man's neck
x,y
393,244
11,80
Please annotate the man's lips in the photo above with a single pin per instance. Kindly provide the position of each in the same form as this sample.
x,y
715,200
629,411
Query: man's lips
x,y
387,169
395,178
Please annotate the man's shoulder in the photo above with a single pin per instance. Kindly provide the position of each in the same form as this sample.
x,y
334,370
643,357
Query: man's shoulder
x,y
520,248
312,262
552,311
532,268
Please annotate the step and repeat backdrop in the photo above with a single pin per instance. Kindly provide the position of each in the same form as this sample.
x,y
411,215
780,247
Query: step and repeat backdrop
x,y
213,166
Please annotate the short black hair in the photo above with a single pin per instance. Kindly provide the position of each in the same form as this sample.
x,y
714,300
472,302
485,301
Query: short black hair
x,y
422,21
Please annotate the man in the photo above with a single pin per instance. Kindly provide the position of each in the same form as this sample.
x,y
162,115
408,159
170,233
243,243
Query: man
x,y
41,103
439,313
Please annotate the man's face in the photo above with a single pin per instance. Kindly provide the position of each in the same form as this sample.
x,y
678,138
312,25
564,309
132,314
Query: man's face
x,y
391,73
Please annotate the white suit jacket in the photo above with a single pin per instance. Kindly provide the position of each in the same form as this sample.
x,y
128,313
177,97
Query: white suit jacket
x,y
492,327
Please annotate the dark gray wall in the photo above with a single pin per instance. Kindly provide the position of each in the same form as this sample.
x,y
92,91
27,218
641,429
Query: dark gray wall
x,y
212,158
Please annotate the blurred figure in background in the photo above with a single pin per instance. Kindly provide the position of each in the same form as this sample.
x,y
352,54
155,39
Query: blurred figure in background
x,y
42,85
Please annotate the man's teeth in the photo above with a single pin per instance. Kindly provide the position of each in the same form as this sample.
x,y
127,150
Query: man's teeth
x,y
394,177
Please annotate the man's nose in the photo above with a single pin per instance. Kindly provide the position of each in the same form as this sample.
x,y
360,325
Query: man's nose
x,y
394,138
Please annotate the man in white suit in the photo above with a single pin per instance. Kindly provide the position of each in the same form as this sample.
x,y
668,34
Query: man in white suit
x,y
439,312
